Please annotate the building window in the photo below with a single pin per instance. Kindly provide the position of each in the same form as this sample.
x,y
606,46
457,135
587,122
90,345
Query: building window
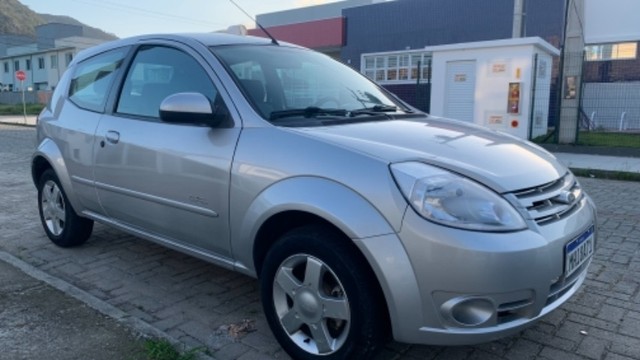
x,y
397,67
16,65
619,51
28,64
40,63
54,61
6,66
67,58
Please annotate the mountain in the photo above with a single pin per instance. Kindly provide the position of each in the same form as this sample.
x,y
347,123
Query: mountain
x,y
88,31
18,19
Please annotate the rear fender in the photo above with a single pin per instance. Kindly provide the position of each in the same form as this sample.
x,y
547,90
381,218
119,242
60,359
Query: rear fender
x,y
49,152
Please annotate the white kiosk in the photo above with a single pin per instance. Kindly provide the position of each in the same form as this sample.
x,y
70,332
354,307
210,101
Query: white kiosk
x,y
502,84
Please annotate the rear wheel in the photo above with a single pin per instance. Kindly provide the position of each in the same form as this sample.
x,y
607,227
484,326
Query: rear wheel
x,y
61,223
320,298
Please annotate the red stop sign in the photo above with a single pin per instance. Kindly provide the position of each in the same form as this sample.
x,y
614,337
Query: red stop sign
x,y
21,75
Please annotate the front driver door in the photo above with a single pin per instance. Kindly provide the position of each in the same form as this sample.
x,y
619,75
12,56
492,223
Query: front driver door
x,y
168,181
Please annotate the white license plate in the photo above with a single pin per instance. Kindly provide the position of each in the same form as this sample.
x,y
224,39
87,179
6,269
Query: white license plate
x,y
578,251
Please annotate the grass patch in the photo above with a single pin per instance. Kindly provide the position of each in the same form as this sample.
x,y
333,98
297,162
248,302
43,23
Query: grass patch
x,y
605,174
32,109
160,349
598,138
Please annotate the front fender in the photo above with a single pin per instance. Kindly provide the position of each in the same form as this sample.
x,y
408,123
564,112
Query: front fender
x,y
356,218
49,153
341,206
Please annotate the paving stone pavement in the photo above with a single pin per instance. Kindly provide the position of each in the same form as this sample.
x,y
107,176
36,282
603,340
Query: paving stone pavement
x,y
204,305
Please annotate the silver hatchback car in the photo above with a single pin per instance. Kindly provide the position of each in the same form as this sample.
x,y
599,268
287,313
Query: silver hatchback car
x,y
362,218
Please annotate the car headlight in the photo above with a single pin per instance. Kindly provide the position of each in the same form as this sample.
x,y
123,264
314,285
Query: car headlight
x,y
450,199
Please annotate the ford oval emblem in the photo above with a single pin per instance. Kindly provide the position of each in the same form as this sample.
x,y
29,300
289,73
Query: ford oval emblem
x,y
565,197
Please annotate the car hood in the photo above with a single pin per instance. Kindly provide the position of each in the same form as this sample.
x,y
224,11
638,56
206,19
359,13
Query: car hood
x,y
500,161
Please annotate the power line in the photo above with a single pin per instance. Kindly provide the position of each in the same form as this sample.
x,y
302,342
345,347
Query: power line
x,y
145,12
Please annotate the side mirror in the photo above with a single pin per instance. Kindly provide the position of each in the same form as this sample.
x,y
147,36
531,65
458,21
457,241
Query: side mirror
x,y
188,108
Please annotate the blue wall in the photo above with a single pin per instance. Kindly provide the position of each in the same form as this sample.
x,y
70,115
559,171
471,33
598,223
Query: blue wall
x,y
399,24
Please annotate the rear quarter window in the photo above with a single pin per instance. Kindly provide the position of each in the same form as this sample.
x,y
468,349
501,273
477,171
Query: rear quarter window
x,y
92,79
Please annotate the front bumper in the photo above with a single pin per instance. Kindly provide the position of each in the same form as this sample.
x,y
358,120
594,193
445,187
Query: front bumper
x,y
447,286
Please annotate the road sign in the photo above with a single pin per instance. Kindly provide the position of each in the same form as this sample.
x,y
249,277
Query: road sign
x,y
21,75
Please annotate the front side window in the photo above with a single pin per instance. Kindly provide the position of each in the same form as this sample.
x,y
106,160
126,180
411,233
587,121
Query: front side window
x,y
92,79
156,73
282,82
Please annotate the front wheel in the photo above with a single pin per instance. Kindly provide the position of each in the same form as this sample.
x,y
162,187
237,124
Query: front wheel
x,y
320,297
61,223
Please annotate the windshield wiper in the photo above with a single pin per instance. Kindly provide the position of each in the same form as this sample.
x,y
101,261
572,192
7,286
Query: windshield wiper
x,y
310,111
374,110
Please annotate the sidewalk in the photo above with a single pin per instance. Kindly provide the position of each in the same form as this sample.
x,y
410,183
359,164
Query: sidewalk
x,y
18,119
38,321
600,162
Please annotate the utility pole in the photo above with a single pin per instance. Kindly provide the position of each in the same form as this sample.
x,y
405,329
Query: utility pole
x,y
570,81
518,19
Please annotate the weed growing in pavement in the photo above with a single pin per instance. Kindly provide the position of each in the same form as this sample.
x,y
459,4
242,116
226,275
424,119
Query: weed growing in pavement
x,y
160,349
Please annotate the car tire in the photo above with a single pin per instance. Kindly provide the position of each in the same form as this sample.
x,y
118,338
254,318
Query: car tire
x,y
320,297
60,221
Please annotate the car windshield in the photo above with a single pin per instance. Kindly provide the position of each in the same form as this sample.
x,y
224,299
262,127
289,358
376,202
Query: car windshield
x,y
299,87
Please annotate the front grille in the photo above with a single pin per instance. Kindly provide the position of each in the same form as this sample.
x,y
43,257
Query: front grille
x,y
552,201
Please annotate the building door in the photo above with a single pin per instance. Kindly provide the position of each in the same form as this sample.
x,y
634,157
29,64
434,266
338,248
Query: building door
x,y
460,90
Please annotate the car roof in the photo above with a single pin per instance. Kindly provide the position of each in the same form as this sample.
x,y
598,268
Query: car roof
x,y
207,39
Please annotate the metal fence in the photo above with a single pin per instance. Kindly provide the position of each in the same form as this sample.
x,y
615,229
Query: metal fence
x,y
30,97
607,100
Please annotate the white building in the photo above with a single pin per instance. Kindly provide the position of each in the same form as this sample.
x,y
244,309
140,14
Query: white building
x,y
45,60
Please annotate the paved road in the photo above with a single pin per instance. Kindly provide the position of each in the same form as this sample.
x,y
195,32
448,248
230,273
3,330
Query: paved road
x,y
203,305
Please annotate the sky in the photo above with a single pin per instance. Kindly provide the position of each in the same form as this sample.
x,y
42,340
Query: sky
x,y
128,18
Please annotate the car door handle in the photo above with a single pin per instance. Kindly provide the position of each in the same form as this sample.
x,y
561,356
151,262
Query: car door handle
x,y
112,136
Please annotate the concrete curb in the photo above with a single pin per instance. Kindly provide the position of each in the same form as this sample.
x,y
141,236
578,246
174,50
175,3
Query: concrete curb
x,y
20,120
137,325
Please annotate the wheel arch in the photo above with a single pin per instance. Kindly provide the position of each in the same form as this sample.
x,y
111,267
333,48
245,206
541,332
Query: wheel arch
x,y
48,156
304,201
296,201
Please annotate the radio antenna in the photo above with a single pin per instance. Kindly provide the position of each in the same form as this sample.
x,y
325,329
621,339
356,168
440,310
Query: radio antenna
x,y
273,40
